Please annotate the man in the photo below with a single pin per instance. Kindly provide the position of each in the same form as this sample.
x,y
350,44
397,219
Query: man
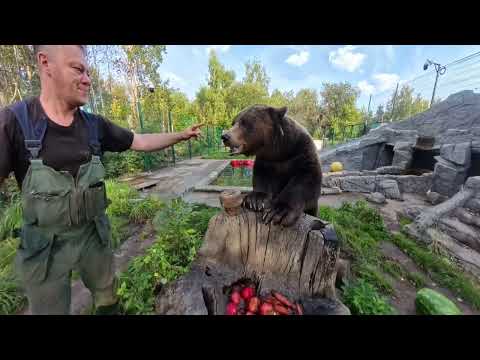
x,y
54,150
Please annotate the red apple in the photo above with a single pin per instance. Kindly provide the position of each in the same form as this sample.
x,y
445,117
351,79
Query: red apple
x,y
235,297
231,309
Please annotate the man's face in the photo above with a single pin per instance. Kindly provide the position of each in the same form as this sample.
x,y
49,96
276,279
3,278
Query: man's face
x,y
68,70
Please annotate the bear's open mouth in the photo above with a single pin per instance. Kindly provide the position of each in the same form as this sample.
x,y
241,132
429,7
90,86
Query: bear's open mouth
x,y
235,149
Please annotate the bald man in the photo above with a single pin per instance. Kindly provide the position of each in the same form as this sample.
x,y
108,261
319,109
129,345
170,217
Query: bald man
x,y
54,150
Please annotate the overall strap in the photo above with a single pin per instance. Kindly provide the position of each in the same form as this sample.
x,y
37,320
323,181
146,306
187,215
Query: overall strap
x,y
33,133
92,125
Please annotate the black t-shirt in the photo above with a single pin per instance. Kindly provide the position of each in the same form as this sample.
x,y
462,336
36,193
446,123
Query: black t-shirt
x,y
63,149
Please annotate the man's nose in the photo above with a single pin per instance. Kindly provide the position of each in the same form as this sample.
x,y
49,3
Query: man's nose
x,y
86,79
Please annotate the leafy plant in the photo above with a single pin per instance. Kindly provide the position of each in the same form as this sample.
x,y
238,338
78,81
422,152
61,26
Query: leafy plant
x,y
363,299
11,299
145,210
180,228
11,218
121,196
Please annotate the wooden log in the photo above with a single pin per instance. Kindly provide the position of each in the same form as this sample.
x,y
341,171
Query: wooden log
x,y
299,261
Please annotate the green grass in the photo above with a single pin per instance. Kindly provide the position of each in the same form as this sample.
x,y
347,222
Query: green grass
x,y
181,228
361,230
398,271
145,210
442,270
122,198
404,221
363,299
11,299
11,218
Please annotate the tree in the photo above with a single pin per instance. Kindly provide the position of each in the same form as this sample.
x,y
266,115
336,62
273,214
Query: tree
x,y
279,99
405,104
18,73
339,109
139,65
255,73
305,108
219,78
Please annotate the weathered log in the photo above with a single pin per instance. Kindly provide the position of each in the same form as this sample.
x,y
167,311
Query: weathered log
x,y
299,261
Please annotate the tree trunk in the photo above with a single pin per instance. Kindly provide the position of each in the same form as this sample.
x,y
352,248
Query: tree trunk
x,y
299,261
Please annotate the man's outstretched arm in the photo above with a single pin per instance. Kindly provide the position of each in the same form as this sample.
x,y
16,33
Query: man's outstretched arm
x,y
155,142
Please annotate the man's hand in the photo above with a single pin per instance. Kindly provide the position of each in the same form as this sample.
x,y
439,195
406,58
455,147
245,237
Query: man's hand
x,y
192,132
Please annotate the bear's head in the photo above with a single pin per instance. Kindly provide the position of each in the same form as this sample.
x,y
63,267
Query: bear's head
x,y
255,129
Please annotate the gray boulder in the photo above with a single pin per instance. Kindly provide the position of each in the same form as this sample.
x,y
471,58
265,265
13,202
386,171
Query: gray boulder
x,y
459,154
376,198
390,189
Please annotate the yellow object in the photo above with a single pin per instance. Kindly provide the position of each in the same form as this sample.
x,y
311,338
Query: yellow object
x,y
336,166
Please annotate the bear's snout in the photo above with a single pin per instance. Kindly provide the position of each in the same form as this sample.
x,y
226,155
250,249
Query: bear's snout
x,y
225,137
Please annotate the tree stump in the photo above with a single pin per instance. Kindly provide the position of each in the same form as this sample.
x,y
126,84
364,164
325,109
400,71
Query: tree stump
x,y
299,261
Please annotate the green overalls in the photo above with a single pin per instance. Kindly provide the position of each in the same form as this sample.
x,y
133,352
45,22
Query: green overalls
x,y
65,227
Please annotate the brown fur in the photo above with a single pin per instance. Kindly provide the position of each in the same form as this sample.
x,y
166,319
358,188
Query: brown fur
x,y
287,174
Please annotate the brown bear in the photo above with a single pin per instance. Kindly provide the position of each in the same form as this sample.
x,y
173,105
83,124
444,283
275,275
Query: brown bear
x,y
287,175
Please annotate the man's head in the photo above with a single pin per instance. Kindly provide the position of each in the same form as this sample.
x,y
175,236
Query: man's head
x,y
64,72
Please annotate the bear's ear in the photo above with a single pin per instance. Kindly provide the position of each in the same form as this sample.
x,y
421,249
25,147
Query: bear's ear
x,y
278,113
281,112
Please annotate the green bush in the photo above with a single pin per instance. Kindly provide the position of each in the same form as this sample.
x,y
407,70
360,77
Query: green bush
x,y
145,210
363,299
361,229
124,163
121,196
119,226
180,228
11,299
11,218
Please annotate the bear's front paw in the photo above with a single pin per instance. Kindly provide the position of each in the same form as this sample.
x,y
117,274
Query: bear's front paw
x,y
256,201
282,214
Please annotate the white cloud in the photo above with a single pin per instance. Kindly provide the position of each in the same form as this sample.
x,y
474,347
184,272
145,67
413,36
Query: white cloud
x,y
385,81
298,59
365,87
381,82
346,59
220,48
175,79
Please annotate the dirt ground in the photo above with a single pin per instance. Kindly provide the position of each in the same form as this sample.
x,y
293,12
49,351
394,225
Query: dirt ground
x,y
404,297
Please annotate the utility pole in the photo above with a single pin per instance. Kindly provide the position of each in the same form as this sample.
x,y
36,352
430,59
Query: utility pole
x,y
440,71
394,101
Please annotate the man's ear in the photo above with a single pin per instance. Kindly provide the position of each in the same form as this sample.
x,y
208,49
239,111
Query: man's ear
x,y
43,61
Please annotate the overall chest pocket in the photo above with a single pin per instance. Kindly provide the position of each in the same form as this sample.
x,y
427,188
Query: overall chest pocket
x,y
95,200
47,208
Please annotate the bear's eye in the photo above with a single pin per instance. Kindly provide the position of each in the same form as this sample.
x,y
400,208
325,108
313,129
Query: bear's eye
x,y
247,125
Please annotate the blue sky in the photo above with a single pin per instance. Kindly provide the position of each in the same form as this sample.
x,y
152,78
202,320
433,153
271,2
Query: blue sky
x,y
374,69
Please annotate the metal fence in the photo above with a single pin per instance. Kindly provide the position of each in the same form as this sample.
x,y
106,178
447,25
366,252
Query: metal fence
x,y
208,145
436,83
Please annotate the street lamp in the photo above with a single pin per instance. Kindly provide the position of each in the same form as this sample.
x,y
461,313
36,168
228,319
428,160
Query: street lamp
x,y
440,71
